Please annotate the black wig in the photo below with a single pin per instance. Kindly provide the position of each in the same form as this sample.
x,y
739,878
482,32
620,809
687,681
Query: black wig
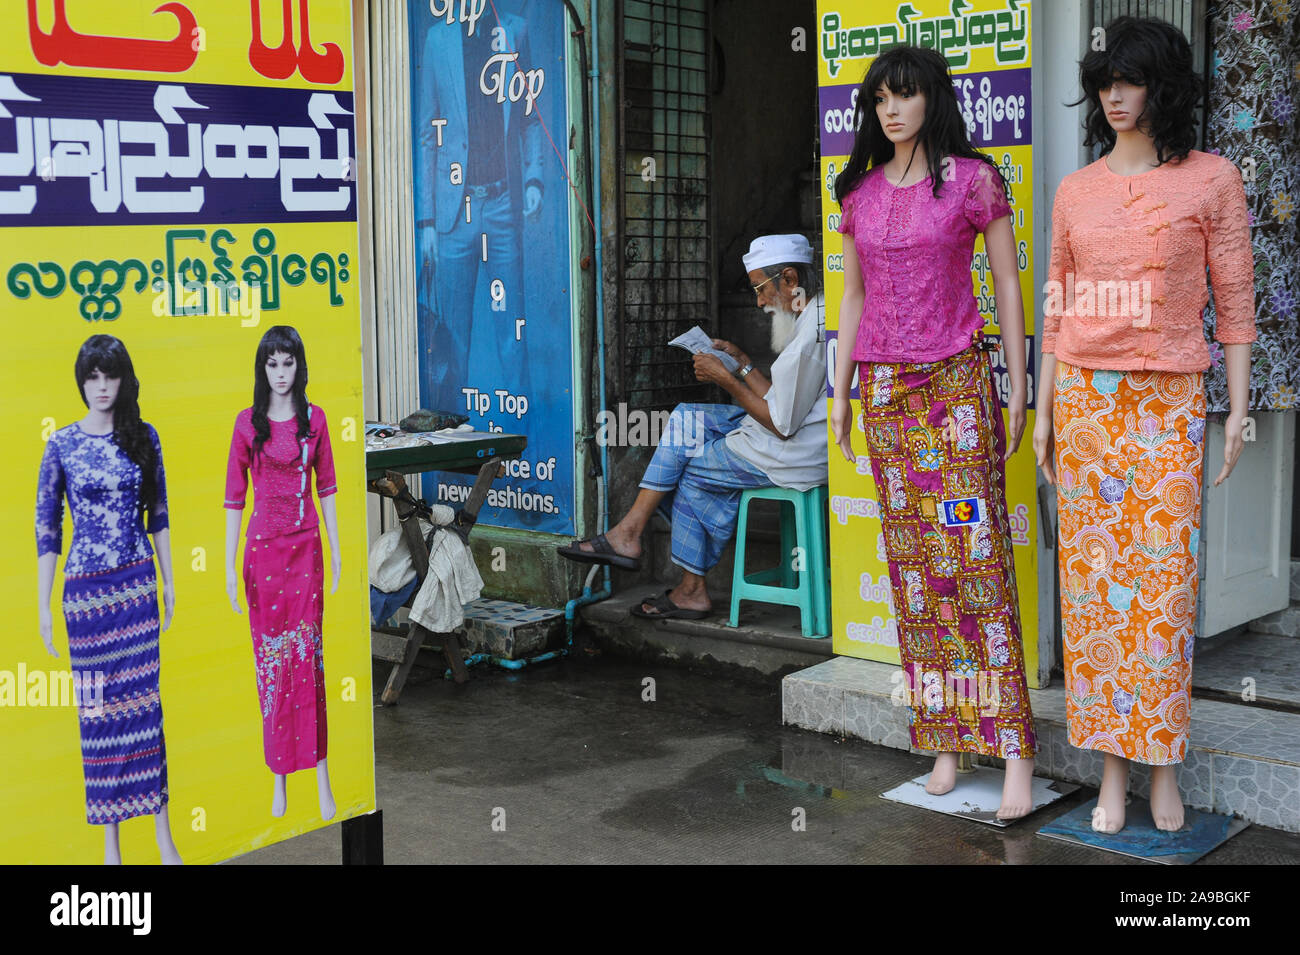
x,y
107,354
908,70
279,339
1146,52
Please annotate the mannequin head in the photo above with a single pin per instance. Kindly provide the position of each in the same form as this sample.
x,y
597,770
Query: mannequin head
x,y
107,383
105,375
1145,72
279,371
910,86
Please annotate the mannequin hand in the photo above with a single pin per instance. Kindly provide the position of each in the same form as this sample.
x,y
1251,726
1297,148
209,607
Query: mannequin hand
x,y
1045,446
336,568
169,605
47,631
1015,423
1232,445
232,591
842,428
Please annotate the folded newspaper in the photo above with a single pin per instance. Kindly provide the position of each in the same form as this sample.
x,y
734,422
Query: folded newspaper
x,y
697,342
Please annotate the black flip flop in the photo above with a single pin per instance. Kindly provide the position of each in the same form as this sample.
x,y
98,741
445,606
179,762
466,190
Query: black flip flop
x,y
665,609
602,552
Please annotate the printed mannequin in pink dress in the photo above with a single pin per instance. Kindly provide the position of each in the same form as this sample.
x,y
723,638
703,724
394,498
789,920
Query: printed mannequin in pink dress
x,y
280,440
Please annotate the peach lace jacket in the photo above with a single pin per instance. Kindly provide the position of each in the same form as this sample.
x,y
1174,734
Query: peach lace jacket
x,y
1127,281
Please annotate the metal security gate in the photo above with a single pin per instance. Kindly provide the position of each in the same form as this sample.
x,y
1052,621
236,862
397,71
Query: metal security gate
x,y
665,252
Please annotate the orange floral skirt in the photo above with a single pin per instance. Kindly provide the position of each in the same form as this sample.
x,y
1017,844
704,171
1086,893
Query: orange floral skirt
x,y
1128,468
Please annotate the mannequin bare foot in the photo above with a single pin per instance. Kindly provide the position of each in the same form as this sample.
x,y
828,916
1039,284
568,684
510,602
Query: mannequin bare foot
x,y
279,799
323,792
1166,803
1108,817
162,829
944,775
112,851
1017,789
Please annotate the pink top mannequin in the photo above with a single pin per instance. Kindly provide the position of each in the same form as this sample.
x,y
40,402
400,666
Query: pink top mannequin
x,y
914,251
282,496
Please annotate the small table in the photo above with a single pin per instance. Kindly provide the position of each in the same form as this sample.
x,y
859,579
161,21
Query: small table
x,y
466,452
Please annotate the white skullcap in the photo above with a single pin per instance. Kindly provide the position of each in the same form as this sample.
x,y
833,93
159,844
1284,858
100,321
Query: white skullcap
x,y
778,250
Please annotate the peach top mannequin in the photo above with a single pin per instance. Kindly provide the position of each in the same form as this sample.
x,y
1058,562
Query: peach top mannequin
x,y
1155,233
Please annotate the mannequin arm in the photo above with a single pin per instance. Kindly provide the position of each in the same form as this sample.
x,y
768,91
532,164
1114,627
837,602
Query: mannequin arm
x,y
329,514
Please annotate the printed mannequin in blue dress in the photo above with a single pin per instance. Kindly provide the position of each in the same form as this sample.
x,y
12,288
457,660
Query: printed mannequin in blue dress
x,y
109,467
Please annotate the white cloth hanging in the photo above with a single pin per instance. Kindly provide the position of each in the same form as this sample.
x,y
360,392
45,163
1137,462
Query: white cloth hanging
x,y
453,581
390,562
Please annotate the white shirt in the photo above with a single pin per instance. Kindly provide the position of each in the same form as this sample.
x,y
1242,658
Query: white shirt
x,y
797,403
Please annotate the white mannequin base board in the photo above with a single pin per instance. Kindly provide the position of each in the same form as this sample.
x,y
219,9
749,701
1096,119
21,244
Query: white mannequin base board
x,y
1202,833
977,795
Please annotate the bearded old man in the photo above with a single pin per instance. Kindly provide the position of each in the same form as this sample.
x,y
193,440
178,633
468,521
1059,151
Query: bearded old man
x,y
775,435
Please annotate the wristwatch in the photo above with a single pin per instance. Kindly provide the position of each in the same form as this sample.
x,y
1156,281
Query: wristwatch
x,y
745,371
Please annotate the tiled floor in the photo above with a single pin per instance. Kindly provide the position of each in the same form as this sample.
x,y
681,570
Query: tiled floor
x,y
1259,665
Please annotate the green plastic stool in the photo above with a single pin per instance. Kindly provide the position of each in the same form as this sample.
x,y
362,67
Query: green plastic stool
x,y
803,524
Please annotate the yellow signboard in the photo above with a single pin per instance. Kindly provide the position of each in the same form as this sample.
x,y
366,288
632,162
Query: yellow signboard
x,y
179,212
987,45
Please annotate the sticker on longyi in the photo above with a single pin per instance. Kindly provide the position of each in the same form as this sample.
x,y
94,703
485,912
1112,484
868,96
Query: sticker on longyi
x,y
963,510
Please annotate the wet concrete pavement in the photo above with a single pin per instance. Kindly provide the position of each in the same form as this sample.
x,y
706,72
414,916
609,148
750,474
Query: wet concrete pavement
x,y
581,768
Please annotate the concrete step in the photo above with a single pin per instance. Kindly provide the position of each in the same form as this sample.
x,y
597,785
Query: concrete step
x,y
768,643
1284,622
1243,760
1249,667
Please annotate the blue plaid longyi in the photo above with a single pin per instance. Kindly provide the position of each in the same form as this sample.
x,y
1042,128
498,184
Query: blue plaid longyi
x,y
702,479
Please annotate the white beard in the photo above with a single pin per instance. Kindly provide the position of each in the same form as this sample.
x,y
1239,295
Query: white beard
x,y
783,325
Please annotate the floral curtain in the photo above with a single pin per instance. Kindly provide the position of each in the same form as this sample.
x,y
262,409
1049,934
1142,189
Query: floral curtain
x,y
1253,120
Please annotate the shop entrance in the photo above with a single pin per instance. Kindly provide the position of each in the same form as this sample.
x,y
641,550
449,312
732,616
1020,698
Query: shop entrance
x,y
717,144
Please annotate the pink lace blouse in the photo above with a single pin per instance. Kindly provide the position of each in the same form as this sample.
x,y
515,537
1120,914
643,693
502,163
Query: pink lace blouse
x,y
1126,286
281,474
915,255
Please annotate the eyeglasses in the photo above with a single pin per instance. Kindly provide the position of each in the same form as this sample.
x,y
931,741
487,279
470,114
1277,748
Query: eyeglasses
x,y
759,287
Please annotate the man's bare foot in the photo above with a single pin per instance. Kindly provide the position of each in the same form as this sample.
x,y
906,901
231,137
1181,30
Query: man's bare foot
x,y
1017,789
1166,803
944,775
1108,817
625,544
686,598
